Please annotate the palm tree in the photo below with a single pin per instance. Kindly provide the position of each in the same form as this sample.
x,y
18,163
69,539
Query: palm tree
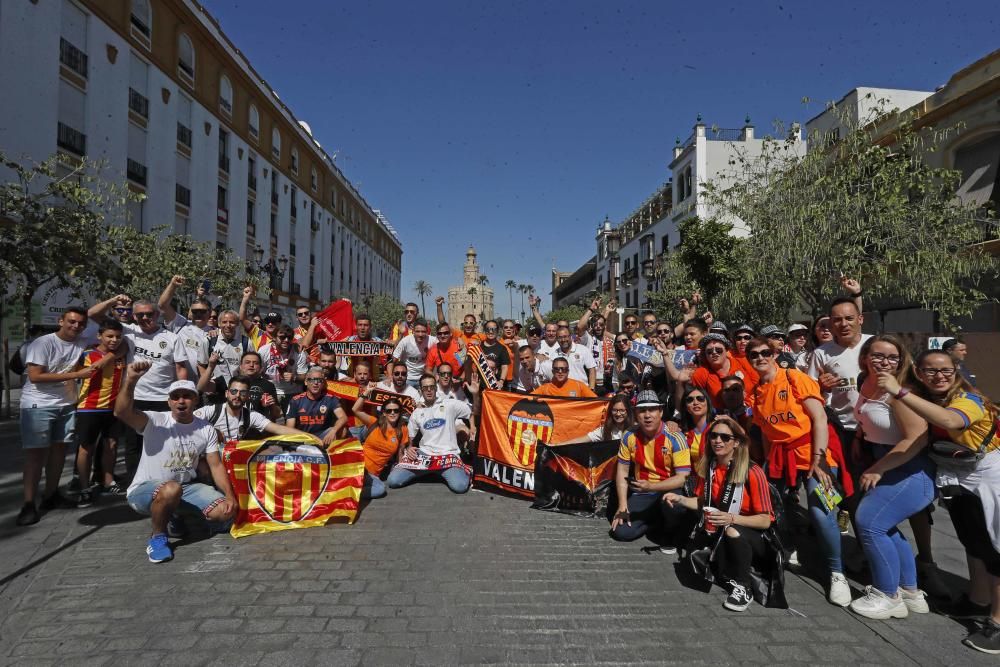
x,y
483,282
523,289
423,288
510,285
472,292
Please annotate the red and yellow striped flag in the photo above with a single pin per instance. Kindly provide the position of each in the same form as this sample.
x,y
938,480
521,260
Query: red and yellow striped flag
x,y
293,481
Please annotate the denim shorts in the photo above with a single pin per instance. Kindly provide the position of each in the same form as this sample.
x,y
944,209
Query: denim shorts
x,y
40,427
202,496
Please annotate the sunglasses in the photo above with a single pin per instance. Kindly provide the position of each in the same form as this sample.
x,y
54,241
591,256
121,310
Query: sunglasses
x,y
123,311
390,411
427,387
399,375
490,329
304,314
663,332
744,337
714,351
443,333
280,337
182,394
560,369
631,323
315,380
143,316
757,354
199,312
444,374
410,312
238,392
724,437
695,399
621,340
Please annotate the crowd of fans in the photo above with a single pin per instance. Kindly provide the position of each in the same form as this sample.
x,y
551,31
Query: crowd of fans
x,y
725,433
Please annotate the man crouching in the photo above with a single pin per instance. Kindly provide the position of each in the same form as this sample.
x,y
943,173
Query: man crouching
x,y
173,442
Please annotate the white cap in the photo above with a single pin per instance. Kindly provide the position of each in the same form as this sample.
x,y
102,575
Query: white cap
x,y
797,327
182,385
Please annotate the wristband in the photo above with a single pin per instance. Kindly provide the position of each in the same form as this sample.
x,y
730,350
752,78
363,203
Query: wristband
x,y
903,391
858,293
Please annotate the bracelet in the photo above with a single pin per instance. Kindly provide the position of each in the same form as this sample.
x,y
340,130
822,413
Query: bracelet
x,y
903,391
858,293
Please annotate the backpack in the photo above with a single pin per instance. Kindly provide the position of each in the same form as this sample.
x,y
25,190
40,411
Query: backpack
x,y
244,431
16,363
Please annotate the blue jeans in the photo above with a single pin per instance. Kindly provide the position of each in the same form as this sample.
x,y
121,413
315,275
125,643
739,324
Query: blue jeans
x,y
649,514
825,523
200,496
901,493
373,487
456,478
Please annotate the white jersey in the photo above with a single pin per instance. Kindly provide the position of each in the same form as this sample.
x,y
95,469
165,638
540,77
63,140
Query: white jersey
x,y
530,380
230,353
386,385
549,351
195,341
843,362
580,359
55,355
162,349
436,424
171,450
414,355
275,363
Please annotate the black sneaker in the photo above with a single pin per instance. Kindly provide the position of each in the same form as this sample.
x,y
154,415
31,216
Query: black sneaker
x,y
86,499
28,515
113,489
739,599
987,639
176,527
74,485
56,501
964,608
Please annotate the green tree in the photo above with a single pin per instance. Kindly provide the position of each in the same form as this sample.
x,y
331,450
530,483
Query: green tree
x,y
675,283
384,311
53,228
511,286
713,257
570,312
423,288
522,289
869,206
472,291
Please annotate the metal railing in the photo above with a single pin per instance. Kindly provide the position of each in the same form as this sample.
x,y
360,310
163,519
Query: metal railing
x,y
138,103
724,134
72,140
182,195
252,182
184,135
224,163
135,171
72,57
186,68
226,105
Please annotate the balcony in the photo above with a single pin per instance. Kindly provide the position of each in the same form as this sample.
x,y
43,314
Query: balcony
x,y
138,103
226,105
135,171
184,135
630,277
296,289
314,294
73,58
252,182
182,195
224,163
724,134
72,140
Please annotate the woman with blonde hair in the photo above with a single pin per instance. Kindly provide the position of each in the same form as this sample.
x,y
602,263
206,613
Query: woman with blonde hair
x,y
733,496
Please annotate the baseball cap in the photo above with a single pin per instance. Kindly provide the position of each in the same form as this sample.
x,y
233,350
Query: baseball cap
x,y
182,385
797,327
772,330
647,398
713,338
535,330
272,316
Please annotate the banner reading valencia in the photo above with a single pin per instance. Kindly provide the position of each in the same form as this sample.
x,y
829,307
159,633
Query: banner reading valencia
x,y
513,423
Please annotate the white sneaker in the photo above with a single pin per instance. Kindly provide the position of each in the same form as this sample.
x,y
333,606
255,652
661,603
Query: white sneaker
x,y
840,591
793,558
670,551
879,606
915,601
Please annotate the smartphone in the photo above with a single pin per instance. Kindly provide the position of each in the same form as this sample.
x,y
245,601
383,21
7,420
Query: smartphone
x,y
206,285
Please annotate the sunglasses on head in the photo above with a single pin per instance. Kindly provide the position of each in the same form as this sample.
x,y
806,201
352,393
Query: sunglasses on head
x,y
756,354
695,398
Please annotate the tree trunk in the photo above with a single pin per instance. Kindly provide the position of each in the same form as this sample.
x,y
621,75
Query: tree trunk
x,y
26,308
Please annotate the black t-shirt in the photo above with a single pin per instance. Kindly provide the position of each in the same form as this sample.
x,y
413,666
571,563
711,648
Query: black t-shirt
x,y
258,387
497,352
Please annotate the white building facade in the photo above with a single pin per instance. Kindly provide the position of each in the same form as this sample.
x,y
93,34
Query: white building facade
x,y
158,92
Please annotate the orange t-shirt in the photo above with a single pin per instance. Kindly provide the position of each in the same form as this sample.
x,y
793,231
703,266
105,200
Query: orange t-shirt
x,y
778,410
711,382
512,353
474,339
572,389
379,449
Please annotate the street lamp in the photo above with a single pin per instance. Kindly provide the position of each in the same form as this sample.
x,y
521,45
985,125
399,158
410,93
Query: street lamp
x,y
614,245
274,270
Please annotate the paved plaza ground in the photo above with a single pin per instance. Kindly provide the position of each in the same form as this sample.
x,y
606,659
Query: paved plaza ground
x,y
423,577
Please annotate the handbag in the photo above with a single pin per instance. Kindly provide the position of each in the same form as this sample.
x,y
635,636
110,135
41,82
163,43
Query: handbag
x,y
957,458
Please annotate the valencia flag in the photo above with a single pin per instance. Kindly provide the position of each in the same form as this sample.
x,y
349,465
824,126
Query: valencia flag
x,y
575,479
512,425
293,481
336,321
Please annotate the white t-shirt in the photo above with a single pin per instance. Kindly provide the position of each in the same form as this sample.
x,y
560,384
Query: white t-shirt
x,y
273,360
195,343
437,424
843,362
413,355
580,359
230,353
412,392
229,426
171,450
597,435
549,351
528,381
162,349
55,355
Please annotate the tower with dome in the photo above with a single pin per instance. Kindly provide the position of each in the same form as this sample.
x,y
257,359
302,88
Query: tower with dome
x,y
472,296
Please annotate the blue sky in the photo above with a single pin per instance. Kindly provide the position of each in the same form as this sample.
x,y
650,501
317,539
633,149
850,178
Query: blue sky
x,y
517,126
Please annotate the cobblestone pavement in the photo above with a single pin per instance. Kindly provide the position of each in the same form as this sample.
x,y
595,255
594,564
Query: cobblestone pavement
x,y
423,577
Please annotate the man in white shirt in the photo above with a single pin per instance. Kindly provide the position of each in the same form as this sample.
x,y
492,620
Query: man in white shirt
x,y
582,366
173,443
532,372
148,341
396,383
234,420
412,351
48,408
549,345
192,332
438,452
228,344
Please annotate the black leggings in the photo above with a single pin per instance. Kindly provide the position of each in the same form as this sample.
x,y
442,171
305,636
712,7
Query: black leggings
x,y
735,555
969,519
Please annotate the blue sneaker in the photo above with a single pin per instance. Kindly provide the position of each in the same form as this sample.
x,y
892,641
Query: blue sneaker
x,y
158,549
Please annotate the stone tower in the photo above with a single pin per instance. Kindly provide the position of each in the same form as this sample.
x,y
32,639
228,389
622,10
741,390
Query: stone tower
x,y
461,302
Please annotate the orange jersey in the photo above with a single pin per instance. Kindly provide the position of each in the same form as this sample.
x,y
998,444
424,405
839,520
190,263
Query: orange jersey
x,y
474,339
778,410
711,383
657,459
572,389
98,391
